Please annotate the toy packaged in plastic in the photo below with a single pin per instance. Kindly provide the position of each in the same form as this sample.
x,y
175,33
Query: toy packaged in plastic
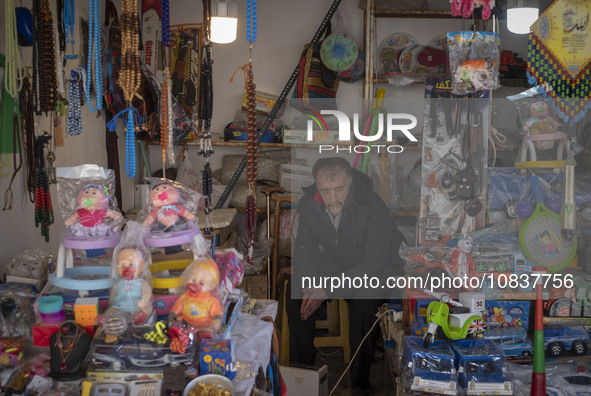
x,y
16,316
198,310
131,293
474,61
87,201
172,206
429,369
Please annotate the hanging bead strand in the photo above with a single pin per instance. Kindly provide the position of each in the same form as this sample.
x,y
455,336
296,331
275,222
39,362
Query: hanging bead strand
x,y
94,56
74,108
44,60
13,66
164,119
69,22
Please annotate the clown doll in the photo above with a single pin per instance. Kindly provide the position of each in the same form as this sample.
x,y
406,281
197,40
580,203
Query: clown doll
x,y
200,305
166,213
93,216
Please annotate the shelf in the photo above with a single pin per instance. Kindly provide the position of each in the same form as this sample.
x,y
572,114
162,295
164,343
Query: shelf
x,y
404,214
564,320
243,144
413,14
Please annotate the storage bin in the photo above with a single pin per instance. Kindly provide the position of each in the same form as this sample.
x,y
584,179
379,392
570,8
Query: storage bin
x,y
294,177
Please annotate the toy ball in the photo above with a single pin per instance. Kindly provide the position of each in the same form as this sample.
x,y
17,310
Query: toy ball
x,y
524,209
554,204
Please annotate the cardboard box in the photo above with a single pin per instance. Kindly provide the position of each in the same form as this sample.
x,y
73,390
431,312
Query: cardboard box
x,y
215,357
305,381
300,136
263,103
255,285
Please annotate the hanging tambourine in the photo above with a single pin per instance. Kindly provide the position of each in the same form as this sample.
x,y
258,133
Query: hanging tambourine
x,y
338,52
355,72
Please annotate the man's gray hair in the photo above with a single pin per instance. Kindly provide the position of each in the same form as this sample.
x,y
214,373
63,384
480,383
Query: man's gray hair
x,y
333,164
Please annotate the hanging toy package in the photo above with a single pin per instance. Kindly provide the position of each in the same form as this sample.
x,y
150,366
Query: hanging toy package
x,y
172,206
131,293
87,201
474,61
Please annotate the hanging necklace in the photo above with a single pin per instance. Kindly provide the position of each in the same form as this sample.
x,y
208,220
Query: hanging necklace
x,y
43,207
165,22
94,53
64,347
74,108
44,66
166,119
69,21
13,64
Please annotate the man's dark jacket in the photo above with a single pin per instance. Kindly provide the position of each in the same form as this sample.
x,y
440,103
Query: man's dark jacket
x,y
366,242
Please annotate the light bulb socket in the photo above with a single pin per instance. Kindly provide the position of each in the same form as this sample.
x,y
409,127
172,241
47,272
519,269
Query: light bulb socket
x,y
224,8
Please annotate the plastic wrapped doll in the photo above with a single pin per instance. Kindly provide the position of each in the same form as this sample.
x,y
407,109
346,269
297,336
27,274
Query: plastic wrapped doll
x,y
166,212
461,260
540,122
90,217
200,305
131,293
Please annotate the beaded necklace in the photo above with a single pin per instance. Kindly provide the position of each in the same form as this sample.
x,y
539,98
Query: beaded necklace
x,y
165,22
44,65
205,113
13,64
28,116
130,77
94,53
166,112
74,109
43,207
60,27
69,22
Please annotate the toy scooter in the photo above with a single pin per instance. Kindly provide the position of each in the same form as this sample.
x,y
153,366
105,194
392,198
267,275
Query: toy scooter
x,y
464,321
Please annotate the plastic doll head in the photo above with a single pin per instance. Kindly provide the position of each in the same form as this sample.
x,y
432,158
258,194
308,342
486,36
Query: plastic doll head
x,y
163,193
201,276
131,262
92,197
539,109
465,244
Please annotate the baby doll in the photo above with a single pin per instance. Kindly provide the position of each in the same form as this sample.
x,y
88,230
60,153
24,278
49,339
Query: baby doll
x,y
93,209
540,122
132,292
199,305
166,211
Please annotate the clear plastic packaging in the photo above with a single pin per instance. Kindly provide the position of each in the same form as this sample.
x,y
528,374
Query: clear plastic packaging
x,y
199,306
172,206
474,61
87,201
131,293
429,369
16,316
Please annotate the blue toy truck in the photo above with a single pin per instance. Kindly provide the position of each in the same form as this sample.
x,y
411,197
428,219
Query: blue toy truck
x,y
479,365
559,338
428,369
512,340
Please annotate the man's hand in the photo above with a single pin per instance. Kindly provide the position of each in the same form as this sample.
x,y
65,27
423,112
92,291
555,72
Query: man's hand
x,y
312,300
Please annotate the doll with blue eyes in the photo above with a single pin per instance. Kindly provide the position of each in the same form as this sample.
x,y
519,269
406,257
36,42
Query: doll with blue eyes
x,y
132,292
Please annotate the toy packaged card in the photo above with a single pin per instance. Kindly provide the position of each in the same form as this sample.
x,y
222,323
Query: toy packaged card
x,y
172,206
87,201
474,61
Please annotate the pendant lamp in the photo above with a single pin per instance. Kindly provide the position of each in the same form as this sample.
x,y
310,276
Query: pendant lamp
x,y
224,21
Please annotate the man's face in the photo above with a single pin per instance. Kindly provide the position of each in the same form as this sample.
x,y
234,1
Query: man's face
x,y
333,187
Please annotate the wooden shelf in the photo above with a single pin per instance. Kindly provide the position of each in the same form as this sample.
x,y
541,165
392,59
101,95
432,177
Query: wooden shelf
x,y
567,320
222,143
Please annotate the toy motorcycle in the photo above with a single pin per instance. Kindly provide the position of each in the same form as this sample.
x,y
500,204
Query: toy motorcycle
x,y
462,322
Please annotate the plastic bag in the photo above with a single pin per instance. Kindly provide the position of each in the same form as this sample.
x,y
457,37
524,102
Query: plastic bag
x,y
171,207
474,61
87,202
131,293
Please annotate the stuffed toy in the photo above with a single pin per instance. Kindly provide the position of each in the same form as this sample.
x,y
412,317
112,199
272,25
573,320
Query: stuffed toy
x,y
200,305
132,292
166,214
540,122
93,211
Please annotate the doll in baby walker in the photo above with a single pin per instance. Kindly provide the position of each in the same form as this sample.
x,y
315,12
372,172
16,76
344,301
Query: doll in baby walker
x,y
540,122
93,216
199,306
166,213
132,292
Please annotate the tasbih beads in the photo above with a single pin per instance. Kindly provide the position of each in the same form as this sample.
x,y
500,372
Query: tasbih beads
x,y
44,66
130,146
165,22
251,130
74,109
69,21
43,207
94,56
130,73
13,64
251,20
164,117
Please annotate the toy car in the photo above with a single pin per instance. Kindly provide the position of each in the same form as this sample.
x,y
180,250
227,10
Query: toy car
x,y
512,340
568,380
429,369
558,338
480,368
